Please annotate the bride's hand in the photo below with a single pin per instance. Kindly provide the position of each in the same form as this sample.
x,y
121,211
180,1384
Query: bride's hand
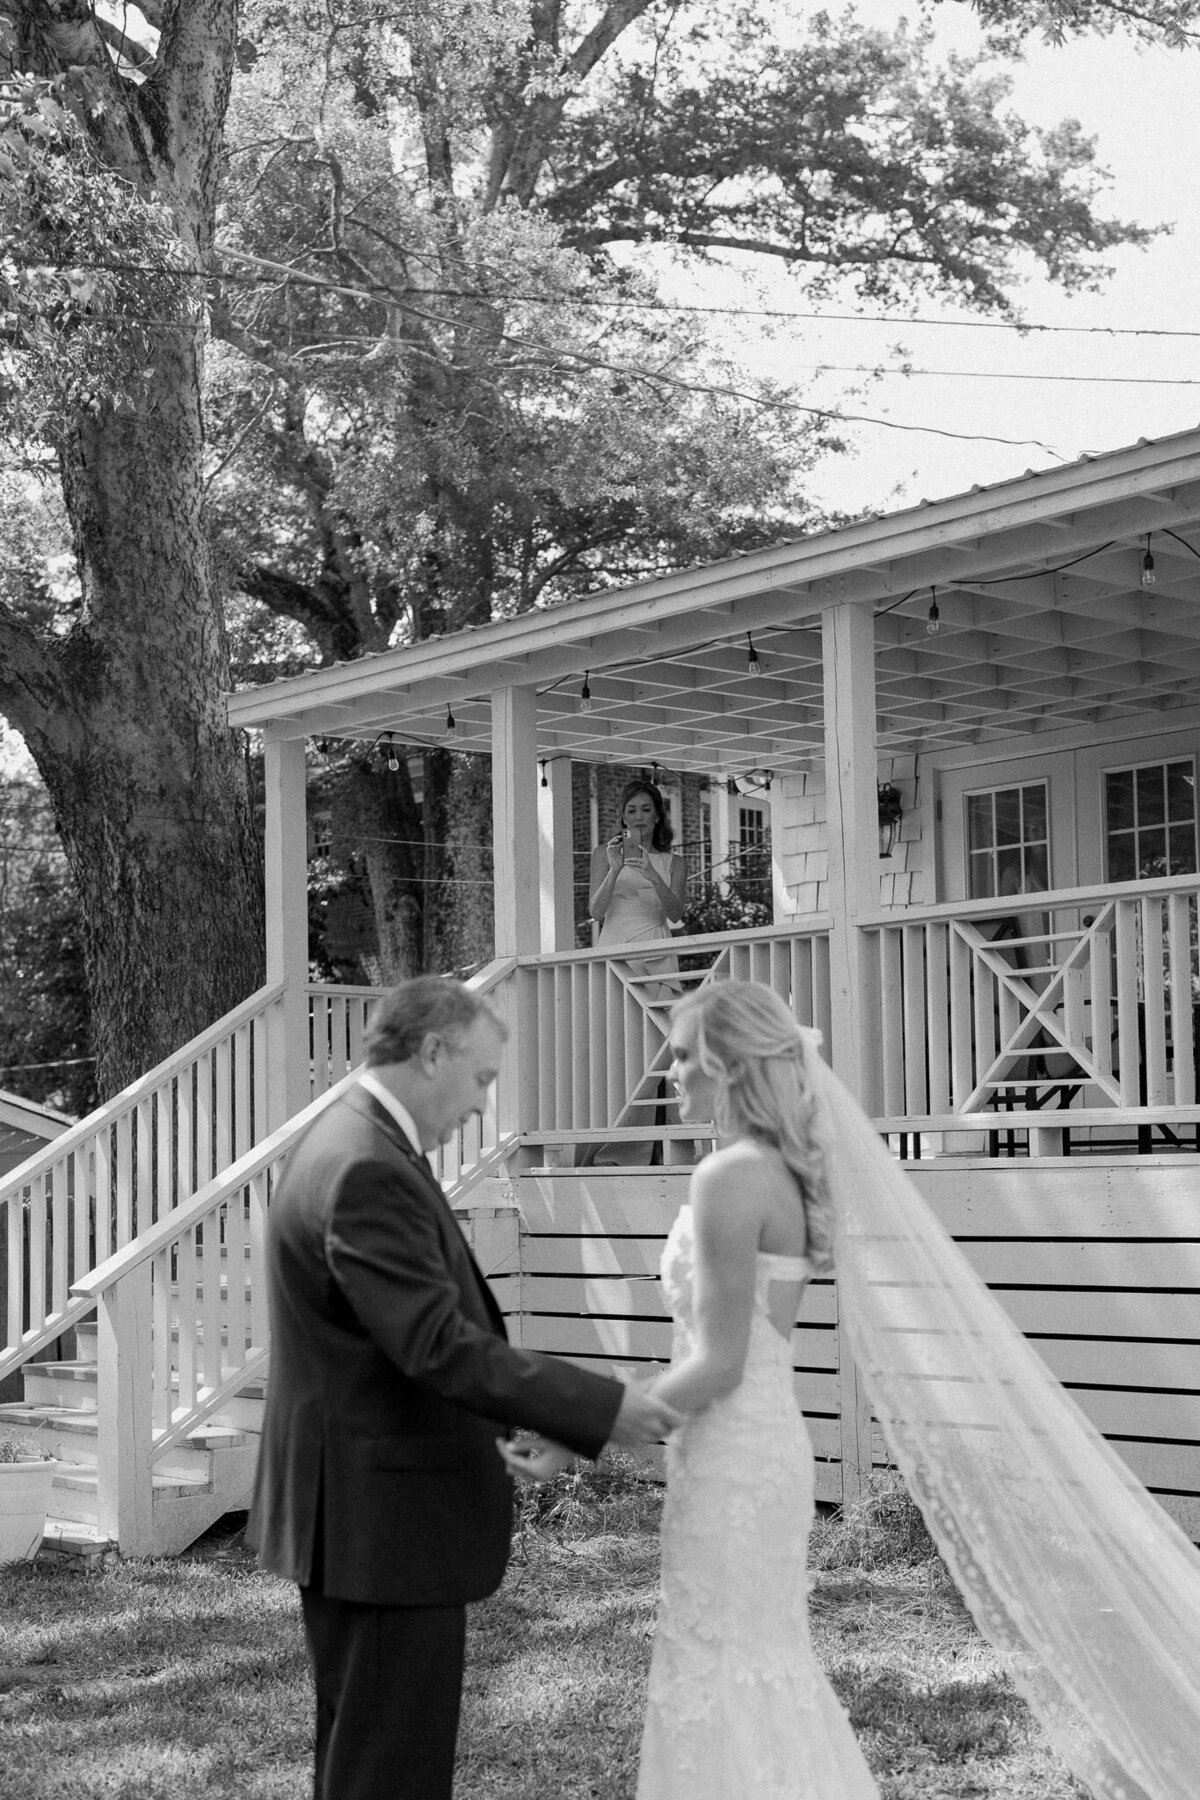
x,y
615,851
535,1459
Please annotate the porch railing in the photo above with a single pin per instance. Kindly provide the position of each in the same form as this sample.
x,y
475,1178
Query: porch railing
x,y
93,1189
592,1049
1090,1007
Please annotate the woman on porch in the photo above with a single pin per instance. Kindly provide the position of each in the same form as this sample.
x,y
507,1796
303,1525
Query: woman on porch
x,y
637,892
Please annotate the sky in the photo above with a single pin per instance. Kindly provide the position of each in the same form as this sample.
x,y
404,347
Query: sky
x,y
1142,107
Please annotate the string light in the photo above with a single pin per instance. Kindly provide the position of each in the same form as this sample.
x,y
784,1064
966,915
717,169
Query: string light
x,y
585,693
753,665
393,761
1148,577
542,767
451,727
934,622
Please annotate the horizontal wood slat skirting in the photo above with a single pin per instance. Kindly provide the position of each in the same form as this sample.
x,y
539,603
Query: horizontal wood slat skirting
x,y
1099,1265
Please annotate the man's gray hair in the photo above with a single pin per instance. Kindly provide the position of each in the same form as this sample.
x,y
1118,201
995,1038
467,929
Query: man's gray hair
x,y
428,1003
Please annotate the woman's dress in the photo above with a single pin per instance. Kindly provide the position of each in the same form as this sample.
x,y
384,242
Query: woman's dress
x,y
635,916
739,1708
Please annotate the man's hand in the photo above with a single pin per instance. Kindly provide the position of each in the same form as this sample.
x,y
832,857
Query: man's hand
x,y
535,1459
643,1419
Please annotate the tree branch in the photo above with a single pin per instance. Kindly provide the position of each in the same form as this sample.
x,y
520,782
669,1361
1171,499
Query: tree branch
x,y
185,99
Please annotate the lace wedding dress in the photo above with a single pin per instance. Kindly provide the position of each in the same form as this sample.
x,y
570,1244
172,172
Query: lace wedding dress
x,y
739,1708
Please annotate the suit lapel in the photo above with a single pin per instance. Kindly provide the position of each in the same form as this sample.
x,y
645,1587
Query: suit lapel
x,y
363,1100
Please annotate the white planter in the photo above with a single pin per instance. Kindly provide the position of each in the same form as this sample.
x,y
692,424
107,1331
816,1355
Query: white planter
x,y
24,1502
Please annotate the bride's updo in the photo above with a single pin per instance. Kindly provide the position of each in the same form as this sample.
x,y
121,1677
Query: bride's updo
x,y
760,1059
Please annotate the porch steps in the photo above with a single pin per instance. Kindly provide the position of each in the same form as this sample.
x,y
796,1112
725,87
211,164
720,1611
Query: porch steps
x,y
199,1479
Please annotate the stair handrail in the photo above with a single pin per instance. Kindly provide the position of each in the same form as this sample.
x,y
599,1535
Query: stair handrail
x,y
141,1089
162,1234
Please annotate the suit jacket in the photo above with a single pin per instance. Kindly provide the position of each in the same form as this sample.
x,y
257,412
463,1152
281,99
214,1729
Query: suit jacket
x,y
391,1377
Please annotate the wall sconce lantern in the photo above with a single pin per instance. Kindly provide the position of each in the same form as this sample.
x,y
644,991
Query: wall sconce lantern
x,y
890,814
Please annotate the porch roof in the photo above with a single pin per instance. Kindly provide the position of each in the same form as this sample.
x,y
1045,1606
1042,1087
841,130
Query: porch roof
x,y
1043,622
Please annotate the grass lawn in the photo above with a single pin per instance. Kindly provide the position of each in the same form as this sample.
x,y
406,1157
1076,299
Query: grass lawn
x,y
187,1677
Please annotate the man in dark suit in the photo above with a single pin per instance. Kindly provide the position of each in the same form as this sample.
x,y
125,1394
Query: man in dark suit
x,y
381,1490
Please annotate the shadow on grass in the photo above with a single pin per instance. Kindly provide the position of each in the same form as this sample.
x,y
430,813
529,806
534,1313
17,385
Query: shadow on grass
x,y
152,1679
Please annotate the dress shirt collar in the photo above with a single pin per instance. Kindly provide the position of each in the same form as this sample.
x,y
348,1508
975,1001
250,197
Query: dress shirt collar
x,y
398,1110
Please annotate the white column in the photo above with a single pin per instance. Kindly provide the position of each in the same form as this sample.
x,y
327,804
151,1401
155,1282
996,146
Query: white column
x,y
286,874
852,813
556,854
515,821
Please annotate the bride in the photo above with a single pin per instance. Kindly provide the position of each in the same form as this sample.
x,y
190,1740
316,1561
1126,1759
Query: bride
x,y
1079,1579
738,1704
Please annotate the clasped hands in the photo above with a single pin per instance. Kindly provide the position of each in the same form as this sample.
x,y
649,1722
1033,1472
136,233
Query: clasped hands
x,y
642,1419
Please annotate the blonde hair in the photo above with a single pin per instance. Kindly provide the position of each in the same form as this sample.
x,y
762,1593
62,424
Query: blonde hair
x,y
758,1055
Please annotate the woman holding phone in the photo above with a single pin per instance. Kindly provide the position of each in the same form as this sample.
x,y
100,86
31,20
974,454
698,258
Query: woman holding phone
x,y
637,893
638,884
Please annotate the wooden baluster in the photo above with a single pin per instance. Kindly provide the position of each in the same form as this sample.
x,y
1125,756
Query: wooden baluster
x,y
236,1312
186,1311
143,1185
581,1043
162,1362
597,1014
205,1136
14,1213
242,1139
1181,911
256,1227
213,1274
916,1089
223,1082
937,1012
167,1196
1153,987
54,1292
891,1018
40,1201
1128,1050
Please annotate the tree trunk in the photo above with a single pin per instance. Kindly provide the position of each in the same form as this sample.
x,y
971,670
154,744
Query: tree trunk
x,y
459,928
147,784
375,816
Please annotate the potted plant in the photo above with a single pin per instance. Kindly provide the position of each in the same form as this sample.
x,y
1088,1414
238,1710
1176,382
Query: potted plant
x,y
26,1477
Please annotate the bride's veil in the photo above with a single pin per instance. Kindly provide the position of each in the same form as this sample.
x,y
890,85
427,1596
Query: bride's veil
x,y
1081,1581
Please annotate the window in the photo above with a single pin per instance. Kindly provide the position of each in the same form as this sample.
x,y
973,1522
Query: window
x,y
1150,820
1008,846
750,851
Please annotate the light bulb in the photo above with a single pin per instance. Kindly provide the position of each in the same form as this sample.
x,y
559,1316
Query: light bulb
x,y
585,694
933,623
451,727
753,666
1147,566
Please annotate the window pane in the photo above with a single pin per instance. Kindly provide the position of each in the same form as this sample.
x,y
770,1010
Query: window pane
x,y
1036,873
1008,871
1151,796
1118,797
1182,845
979,822
1181,791
1121,865
1008,816
1152,852
980,866
1033,804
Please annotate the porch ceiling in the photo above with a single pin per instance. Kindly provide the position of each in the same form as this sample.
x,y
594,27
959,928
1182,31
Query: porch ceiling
x,y
1043,623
